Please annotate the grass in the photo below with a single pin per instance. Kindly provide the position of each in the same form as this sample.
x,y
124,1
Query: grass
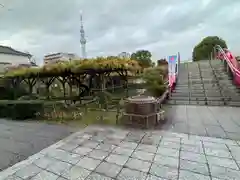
x,y
94,117
57,113
122,94
93,114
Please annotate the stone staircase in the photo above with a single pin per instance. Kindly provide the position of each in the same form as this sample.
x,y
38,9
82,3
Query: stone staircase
x,y
204,83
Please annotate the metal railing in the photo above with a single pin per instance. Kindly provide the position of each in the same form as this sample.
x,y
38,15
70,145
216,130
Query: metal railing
x,y
235,70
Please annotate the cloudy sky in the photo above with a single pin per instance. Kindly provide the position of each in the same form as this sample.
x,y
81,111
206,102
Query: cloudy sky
x,y
162,26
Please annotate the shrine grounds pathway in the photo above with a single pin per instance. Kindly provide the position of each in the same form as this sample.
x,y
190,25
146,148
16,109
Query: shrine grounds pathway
x,y
211,121
19,140
196,142
104,153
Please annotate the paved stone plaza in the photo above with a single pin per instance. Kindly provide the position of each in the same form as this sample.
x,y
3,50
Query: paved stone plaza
x,y
18,139
212,121
97,153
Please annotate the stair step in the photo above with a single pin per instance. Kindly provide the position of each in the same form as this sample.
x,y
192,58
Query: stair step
x,y
199,91
197,94
213,93
217,98
210,103
179,98
173,102
203,98
180,94
232,103
197,103
215,103
205,83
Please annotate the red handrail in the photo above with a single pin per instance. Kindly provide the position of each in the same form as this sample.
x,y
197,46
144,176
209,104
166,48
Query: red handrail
x,y
232,64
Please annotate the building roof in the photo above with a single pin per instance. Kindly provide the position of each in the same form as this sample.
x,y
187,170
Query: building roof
x,y
53,54
9,50
59,54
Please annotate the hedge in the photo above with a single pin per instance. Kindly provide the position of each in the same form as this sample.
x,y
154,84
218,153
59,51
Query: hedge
x,y
24,109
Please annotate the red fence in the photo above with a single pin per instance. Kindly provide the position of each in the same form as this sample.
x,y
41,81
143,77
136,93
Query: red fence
x,y
232,63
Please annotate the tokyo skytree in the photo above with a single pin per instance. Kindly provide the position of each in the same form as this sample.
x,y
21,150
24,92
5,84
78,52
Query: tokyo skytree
x,y
83,40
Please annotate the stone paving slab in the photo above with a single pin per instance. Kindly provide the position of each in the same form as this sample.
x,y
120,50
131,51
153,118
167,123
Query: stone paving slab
x,y
19,140
113,153
211,121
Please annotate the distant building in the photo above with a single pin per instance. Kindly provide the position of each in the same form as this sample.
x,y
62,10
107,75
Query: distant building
x,y
12,67
58,57
10,57
124,55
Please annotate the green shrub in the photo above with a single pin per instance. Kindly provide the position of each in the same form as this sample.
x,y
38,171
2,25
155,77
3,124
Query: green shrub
x,y
136,85
154,81
25,109
11,93
103,98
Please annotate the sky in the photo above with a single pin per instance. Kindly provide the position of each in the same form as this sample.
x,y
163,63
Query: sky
x,y
163,27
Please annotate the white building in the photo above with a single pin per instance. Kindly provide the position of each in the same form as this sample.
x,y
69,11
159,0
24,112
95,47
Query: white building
x,y
58,57
10,57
